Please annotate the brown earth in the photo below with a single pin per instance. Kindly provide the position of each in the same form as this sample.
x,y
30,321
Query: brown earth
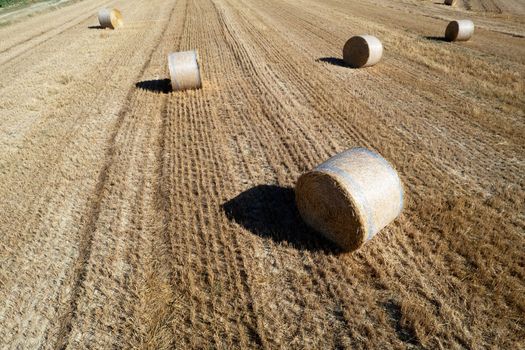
x,y
133,216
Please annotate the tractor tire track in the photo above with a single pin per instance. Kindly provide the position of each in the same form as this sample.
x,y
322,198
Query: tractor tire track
x,y
98,196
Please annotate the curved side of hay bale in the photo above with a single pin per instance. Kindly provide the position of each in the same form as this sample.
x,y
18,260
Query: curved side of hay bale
x,y
110,18
184,70
350,197
460,30
362,51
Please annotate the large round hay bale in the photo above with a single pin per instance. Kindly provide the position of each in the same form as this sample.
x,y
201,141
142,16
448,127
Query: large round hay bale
x,y
362,51
350,197
110,18
460,30
451,2
184,70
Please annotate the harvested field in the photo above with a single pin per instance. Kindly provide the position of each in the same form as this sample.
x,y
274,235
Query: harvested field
x,y
133,216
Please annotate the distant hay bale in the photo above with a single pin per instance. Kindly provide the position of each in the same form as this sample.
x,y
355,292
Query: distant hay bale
x,y
350,197
184,70
362,51
110,18
460,30
451,2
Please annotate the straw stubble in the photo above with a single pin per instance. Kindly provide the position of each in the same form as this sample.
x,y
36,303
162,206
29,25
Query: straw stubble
x,y
113,234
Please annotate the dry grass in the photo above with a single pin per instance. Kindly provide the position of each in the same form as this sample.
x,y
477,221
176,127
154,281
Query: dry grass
x,y
132,216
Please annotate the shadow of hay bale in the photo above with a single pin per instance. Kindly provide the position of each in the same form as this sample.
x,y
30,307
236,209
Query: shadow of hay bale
x,y
333,61
269,211
436,38
96,27
155,85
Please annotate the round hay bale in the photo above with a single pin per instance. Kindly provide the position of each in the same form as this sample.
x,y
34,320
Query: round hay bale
x,y
460,30
184,70
110,18
362,51
451,2
350,197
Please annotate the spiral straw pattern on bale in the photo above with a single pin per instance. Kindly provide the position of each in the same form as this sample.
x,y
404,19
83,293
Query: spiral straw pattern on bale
x,y
460,30
184,70
350,197
362,51
110,18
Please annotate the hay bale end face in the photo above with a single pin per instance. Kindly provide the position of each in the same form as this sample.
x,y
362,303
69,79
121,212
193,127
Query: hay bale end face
x,y
110,18
460,30
184,70
350,197
362,51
